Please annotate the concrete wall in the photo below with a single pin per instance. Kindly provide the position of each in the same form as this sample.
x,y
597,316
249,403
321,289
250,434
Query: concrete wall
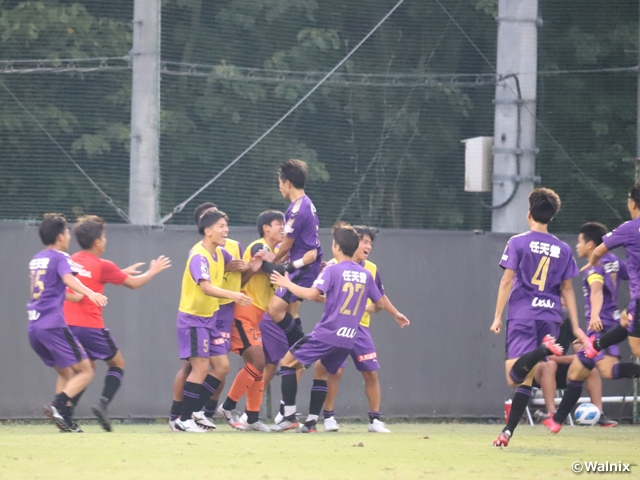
x,y
446,364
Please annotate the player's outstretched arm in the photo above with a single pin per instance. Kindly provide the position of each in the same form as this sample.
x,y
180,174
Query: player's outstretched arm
x,y
155,267
600,251
236,265
74,284
307,293
503,295
385,304
73,296
253,266
283,251
238,297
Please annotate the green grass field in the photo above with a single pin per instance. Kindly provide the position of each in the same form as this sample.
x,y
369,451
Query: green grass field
x,y
411,451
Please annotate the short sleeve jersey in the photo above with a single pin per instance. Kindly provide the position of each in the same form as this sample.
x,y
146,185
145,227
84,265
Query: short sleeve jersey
x,y
302,224
231,281
541,263
46,270
94,273
607,272
347,286
201,265
373,268
627,235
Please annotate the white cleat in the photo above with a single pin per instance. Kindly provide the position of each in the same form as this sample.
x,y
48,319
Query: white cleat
x,y
232,418
378,427
203,421
258,426
188,426
331,425
172,425
244,418
288,423
278,419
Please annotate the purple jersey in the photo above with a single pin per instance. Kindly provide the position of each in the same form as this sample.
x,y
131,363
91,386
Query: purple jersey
x,y
627,235
302,226
541,263
347,286
609,271
47,288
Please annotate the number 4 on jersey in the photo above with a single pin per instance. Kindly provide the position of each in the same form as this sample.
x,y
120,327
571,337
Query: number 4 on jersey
x,y
540,277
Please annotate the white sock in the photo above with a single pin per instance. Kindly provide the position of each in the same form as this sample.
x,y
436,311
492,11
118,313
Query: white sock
x,y
289,410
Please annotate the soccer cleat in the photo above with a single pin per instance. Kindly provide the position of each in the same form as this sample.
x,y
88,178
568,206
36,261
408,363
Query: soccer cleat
x,y
307,427
287,423
278,419
331,425
244,418
75,428
551,424
588,348
203,421
188,426
232,418
606,422
172,425
554,349
378,427
100,411
503,439
56,417
258,426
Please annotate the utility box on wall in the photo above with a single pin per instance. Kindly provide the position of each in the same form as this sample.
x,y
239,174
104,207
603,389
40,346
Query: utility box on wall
x,y
478,164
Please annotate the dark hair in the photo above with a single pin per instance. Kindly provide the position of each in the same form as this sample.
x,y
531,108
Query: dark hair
x,y
347,239
295,171
544,203
200,209
88,229
634,194
339,224
363,230
210,218
266,218
52,225
593,232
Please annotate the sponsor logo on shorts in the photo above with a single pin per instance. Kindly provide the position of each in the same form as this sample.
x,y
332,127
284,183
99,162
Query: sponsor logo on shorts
x,y
218,341
368,356
346,332
33,315
542,302
225,335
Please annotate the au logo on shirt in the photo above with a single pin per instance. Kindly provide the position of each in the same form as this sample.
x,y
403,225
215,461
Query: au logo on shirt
x,y
346,332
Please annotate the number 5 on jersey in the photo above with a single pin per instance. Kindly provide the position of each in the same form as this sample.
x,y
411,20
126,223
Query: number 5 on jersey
x,y
540,277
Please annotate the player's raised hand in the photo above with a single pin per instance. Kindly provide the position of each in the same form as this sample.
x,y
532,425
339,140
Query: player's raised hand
x,y
256,262
236,266
159,264
496,326
133,269
402,320
242,300
279,280
267,256
97,298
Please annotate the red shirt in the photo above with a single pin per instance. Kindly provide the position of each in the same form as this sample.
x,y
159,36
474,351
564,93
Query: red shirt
x,y
95,273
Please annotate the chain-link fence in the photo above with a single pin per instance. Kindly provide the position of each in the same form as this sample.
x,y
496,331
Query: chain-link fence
x,y
382,136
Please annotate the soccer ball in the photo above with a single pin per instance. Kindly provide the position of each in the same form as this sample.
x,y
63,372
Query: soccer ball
x,y
587,415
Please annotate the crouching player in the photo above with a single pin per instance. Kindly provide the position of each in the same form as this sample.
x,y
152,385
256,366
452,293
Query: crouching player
x,y
601,282
347,287
538,269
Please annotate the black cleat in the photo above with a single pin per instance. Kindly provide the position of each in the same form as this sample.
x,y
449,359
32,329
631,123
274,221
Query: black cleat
x,y
606,422
56,417
100,411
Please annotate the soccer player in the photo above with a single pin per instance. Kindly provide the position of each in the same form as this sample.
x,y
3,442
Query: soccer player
x,y
234,268
246,339
538,269
347,287
363,354
626,235
51,270
199,341
301,230
601,283
85,319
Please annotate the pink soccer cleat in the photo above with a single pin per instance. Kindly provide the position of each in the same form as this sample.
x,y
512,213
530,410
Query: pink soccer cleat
x,y
551,424
503,439
550,342
588,348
